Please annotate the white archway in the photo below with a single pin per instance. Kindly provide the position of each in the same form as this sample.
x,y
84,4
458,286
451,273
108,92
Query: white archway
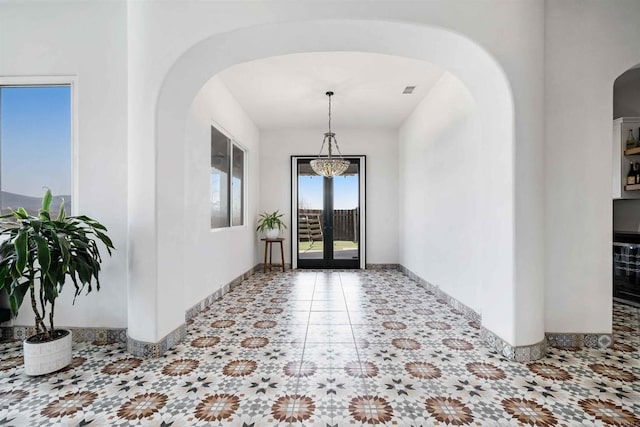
x,y
155,297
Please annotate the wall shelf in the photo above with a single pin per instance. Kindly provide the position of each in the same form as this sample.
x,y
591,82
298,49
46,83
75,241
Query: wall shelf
x,y
622,159
632,151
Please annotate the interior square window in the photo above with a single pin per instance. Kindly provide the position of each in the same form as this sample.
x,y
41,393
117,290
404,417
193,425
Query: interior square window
x,y
226,181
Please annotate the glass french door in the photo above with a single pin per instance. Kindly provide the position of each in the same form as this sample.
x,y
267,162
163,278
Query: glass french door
x,y
328,227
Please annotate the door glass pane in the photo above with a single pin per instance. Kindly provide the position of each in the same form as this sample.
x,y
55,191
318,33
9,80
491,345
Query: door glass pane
x,y
35,144
310,211
219,179
346,219
237,206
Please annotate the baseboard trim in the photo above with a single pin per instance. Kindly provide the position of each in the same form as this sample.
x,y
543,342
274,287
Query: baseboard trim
x,y
92,335
443,297
151,349
275,269
524,353
567,340
562,340
515,353
226,288
382,266
6,333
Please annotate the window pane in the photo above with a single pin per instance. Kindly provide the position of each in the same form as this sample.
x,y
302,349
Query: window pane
x,y
35,146
219,179
346,200
310,213
237,187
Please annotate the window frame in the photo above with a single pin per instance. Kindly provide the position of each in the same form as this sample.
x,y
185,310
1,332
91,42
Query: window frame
x,y
72,82
245,188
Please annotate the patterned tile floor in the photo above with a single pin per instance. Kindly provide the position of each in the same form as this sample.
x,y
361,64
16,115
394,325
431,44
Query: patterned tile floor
x,y
330,349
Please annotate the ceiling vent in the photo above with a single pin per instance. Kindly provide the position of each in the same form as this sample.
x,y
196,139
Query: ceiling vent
x,y
408,90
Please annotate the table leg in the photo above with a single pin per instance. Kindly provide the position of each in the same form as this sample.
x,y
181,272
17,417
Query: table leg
x,y
282,254
270,256
264,266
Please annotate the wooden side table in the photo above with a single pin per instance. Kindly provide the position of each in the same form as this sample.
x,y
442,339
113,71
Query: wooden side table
x,y
268,248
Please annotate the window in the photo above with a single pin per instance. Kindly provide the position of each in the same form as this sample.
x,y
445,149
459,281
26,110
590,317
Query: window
x,y
227,194
237,190
220,158
35,146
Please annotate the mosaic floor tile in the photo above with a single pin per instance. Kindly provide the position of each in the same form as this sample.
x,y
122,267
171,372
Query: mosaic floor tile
x,y
325,349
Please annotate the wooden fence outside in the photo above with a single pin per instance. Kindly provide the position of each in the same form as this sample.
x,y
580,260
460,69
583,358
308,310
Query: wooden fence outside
x,y
345,224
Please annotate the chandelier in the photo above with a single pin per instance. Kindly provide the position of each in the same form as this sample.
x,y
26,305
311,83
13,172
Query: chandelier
x,y
329,166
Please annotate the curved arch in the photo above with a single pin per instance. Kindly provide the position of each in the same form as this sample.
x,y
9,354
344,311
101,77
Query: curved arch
x,y
628,66
620,89
462,57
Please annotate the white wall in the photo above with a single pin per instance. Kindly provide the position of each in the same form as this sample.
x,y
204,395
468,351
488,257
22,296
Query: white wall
x,y
381,148
441,190
579,76
215,257
87,40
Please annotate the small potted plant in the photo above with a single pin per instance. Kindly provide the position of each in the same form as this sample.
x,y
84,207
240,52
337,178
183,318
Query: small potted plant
x,y
37,255
270,224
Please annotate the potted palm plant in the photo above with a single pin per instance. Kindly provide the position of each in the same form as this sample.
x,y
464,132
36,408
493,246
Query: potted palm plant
x,y
270,224
37,255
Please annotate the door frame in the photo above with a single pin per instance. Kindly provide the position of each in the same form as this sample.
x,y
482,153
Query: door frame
x,y
362,205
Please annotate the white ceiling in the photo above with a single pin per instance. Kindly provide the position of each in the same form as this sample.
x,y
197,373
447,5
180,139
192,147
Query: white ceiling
x,y
287,92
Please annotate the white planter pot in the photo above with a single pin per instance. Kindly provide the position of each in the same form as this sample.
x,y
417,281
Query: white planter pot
x,y
44,358
272,233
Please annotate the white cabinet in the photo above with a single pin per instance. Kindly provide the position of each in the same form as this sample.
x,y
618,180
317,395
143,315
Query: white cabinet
x,y
622,158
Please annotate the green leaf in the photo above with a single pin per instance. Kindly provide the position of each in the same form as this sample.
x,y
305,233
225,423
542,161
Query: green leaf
x,y
36,224
16,296
64,248
4,269
13,270
46,201
74,279
50,291
62,215
56,272
79,243
44,254
21,213
67,225
22,251
106,240
92,222
84,270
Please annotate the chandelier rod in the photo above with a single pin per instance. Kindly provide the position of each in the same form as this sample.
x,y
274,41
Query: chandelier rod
x,y
322,146
330,134
329,94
